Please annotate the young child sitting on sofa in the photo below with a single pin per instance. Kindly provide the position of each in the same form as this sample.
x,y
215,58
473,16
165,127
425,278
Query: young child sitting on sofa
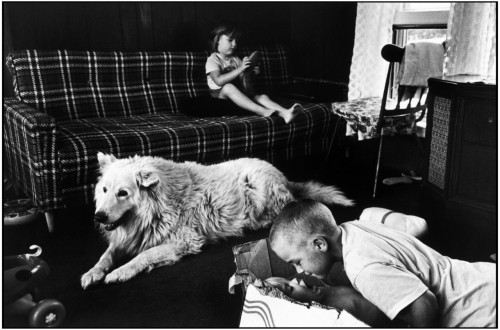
x,y
224,70
399,274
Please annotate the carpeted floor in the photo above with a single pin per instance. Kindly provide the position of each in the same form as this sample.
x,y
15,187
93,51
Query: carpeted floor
x,y
194,292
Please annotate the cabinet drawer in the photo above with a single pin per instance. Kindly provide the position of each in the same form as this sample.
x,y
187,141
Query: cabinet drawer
x,y
480,122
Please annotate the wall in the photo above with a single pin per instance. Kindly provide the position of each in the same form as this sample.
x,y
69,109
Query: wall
x,y
322,39
313,30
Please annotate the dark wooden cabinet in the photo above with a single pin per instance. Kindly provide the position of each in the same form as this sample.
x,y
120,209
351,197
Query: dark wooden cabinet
x,y
459,188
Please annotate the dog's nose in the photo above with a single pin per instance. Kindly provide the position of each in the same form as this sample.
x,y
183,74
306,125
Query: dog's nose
x,y
100,217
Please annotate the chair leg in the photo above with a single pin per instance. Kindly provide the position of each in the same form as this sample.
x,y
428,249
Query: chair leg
x,y
330,147
420,146
49,217
377,165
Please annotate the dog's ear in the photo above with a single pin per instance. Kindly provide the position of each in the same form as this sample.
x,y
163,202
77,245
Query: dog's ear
x,y
105,160
147,179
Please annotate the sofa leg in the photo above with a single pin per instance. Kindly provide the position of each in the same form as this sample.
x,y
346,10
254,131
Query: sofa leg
x,y
49,217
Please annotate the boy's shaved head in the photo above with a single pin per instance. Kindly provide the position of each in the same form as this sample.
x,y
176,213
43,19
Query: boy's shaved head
x,y
300,219
305,235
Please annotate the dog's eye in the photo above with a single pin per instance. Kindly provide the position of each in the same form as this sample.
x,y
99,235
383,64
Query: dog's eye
x,y
104,189
122,193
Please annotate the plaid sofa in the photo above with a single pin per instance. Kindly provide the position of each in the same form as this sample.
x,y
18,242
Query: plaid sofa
x,y
69,105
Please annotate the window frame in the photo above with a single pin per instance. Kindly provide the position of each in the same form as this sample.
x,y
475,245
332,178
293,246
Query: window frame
x,y
406,20
414,20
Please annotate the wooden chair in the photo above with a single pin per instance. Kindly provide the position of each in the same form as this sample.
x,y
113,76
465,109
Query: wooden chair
x,y
396,112
406,102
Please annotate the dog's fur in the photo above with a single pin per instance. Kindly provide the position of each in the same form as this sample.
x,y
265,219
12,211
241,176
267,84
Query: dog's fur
x,y
154,211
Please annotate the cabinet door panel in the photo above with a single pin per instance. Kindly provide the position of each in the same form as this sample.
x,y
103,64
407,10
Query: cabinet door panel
x,y
477,168
480,121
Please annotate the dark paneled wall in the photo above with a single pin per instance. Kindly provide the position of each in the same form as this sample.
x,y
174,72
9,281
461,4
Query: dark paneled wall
x,y
320,34
133,26
322,39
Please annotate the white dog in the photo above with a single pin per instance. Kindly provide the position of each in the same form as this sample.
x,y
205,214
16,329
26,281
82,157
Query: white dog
x,y
154,211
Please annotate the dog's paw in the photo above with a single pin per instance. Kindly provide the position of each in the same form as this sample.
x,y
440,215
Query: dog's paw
x,y
119,275
93,276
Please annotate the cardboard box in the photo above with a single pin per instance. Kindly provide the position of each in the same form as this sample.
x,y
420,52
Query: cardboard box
x,y
268,307
255,260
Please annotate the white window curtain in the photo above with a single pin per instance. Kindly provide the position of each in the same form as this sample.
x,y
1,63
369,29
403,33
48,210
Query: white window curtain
x,y
471,39
373,30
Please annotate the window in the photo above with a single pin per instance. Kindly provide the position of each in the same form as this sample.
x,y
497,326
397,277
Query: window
x,y
421,21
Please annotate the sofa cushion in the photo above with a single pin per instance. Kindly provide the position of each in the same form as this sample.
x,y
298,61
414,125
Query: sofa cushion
x,y
274,64
84,84
180,137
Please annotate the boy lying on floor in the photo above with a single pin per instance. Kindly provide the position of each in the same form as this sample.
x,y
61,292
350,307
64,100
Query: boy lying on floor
x,y
403,277
342,296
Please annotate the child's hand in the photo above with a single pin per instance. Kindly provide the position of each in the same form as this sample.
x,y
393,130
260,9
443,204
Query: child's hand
x,y
245,63
256,70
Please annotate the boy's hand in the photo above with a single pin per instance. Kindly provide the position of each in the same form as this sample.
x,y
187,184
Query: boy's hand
x,y
256,70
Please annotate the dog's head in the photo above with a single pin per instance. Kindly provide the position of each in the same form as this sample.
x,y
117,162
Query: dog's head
x,y
118,190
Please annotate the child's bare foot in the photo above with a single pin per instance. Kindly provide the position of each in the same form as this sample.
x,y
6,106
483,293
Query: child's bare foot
x,y
270,113
290,114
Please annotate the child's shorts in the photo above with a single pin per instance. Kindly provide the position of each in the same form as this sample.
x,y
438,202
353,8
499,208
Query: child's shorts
x,y
215,93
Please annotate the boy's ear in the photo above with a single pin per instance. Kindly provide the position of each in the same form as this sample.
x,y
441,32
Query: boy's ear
x,y
320,244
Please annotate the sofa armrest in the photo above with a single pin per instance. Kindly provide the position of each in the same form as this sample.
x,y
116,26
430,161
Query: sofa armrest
x,y
315,90
29,142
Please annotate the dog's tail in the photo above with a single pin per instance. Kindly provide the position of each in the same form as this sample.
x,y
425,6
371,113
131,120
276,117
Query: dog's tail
x,y
319,192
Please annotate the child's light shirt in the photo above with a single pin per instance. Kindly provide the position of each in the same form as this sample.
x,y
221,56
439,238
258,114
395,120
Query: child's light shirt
x,y
216,62
392,269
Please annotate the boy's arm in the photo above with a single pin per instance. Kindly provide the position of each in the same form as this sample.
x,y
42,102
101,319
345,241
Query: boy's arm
x,y
422,312
396,292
